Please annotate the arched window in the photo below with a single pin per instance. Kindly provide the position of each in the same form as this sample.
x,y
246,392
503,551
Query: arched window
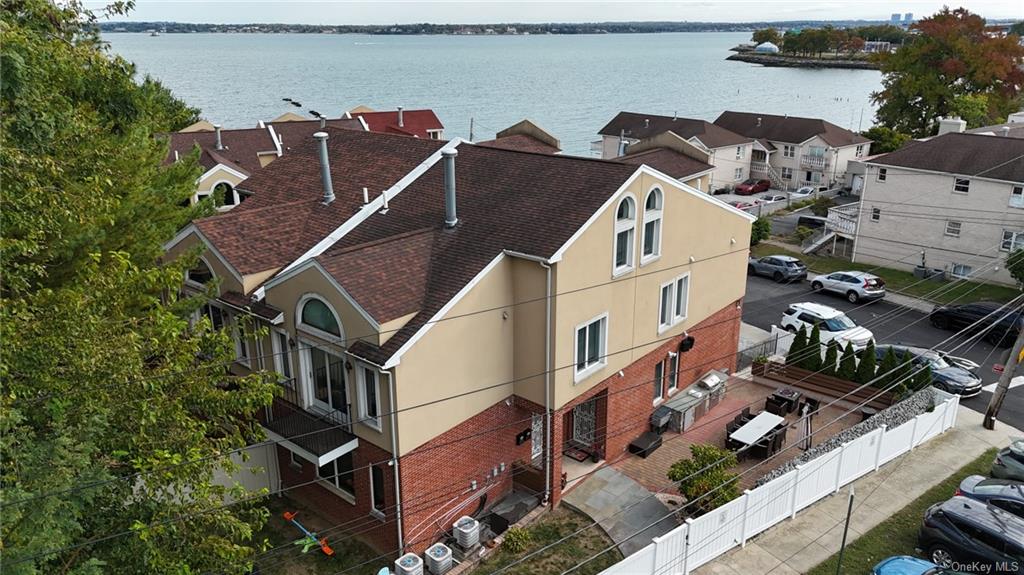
x,y
625,230
200,274
653,206
225,194
318,315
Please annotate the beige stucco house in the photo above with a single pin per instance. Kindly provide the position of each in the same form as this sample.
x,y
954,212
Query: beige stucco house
x,y
448,320
954,202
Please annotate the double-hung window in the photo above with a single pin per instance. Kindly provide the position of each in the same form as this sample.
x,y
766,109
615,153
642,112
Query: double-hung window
x,y
961,185
653,209
625,231
787,173
369,397
659,381
665,306
1012,241
377,490
673,302
737,174
739,152
673,371
591,343
338,474
682,302
1017,197
876,214
882,174
860,151
953,228
282,357
788,151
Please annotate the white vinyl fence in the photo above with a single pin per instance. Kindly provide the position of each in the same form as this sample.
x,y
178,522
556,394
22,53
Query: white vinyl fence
x,y
701,540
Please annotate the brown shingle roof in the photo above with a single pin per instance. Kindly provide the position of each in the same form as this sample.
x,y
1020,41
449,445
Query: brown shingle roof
x,y
285,216
671,162
992,157
790,129
520,142
294,133
241,147
641,126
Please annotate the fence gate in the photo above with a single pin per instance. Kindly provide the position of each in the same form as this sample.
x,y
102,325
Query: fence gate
x,y
745,357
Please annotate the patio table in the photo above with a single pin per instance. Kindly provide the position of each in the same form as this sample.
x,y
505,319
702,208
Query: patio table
x,y
756,428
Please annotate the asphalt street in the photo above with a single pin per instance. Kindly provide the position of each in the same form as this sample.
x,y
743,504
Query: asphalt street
x,y
766,300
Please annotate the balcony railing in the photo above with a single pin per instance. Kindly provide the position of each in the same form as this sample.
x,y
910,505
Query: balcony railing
x,y
843,219
820,163
318,433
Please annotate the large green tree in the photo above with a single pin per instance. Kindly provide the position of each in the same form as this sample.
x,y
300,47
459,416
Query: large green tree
x,y
116,413
884,139
951,66
706,479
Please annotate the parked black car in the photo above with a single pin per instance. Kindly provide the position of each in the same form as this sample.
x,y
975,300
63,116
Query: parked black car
x,y
945,375
1001,326
968,535
1005,494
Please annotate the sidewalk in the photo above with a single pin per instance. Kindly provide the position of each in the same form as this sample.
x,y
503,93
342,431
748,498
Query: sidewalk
x,y
797,545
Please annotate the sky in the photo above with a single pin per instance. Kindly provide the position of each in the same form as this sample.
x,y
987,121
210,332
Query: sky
x,y
385,12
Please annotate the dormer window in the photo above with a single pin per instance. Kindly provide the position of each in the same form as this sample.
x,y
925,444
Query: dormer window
x,y
225,194
625,231
199,275
316,314
653,206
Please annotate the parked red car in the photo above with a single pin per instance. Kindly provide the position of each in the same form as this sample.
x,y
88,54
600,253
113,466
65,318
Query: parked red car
x,y
752,186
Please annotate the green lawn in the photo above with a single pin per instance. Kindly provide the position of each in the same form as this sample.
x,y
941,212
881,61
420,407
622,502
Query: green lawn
x,y
548,529
897,535
898,281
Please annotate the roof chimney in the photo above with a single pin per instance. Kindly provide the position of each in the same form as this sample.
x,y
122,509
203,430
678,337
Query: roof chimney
x,y
1004,131
325,167
323,122
759,121
675,115
401,118
216,128
647,122
951,124
450,216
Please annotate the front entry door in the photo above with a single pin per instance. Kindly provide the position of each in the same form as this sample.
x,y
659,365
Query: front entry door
x,y
327,375
583,424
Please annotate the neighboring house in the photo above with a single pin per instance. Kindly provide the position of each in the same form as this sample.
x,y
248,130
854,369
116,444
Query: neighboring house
x,y
673,156
730,153
794,151
459,316
1012,128
230,156
954,202
525,136
418,123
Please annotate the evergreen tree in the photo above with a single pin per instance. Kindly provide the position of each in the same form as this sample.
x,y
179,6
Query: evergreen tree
x,y
887,370
866,366
797,348
848,364
922,379
103,376
831,356
812,357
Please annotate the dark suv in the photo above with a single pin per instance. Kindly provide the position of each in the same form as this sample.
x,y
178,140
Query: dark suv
x,y
946,376
1001,326
968,535
1005,494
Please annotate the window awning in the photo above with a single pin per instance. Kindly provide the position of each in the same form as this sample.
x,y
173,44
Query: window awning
x,y
310,437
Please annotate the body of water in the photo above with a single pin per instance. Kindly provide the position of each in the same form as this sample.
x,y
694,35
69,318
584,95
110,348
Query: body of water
x,y
569,85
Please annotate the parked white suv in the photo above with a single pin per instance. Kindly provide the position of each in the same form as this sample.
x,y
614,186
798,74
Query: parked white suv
x,y
832,323
854,285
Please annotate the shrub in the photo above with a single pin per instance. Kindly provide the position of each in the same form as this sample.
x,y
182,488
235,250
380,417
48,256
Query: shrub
x,y
848,364
802,233
812,356
798,348
516,540
887,370
820,206
866,367
760,230
706,489
831,356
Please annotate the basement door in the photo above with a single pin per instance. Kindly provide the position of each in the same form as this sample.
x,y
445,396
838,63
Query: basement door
x,y
583,423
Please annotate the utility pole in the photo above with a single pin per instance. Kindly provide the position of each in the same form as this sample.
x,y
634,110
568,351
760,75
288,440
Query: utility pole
x,y
1009,368
846,529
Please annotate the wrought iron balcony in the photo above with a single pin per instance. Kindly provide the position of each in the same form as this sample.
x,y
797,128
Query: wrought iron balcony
x,y
318,436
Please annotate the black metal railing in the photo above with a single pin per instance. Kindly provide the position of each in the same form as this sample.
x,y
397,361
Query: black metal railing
x,y
289,404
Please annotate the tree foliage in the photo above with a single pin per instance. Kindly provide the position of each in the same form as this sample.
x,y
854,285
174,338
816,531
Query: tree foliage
x,y
828,367
866,365
706,489
884,140
760,230
848,364
950,66
798,348
104,377
767,35
1015,265
887,369
812,357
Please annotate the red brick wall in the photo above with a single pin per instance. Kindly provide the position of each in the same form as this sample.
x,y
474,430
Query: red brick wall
x,y
436,476
629,402
353,519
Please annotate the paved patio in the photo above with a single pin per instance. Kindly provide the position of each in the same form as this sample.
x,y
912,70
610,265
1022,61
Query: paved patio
x,y
710,429
623,508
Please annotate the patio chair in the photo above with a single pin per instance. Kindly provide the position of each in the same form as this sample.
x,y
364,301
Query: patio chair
x,y
775,408
746,412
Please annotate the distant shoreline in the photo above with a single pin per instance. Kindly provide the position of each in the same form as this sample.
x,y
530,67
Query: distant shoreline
x,y
781,61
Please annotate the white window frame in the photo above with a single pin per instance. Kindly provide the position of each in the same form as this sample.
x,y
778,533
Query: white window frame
x,y
964,183
373,492
315,331
673,372
628,227
660,381
876,214
859,152
883,173
200,286
295,462
361,398
788,151
953,270
308,379
1017,193
242,347
787,173
1014,238
679,315
675,315
588,370
237,199
737,174
739,152
654,216
282,356
331,482
953,228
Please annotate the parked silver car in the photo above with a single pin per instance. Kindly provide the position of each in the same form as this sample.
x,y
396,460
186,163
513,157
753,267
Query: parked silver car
x,y
779,268
854,285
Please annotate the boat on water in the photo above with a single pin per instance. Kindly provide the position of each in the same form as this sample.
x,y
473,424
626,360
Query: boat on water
x,y
154,33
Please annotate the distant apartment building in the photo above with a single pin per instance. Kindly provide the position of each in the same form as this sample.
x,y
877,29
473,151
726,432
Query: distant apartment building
x,y
727,152
894,19
450,321
794,152
954,202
